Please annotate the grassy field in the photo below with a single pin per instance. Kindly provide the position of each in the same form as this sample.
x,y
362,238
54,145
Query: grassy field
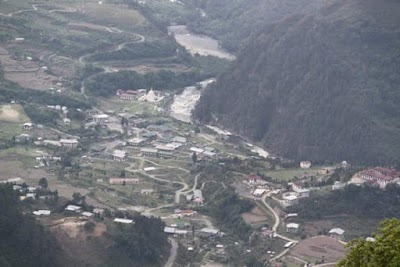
x,y
288,174
9,129
113,15
131,106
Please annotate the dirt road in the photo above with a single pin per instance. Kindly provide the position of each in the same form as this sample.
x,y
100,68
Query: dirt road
x,y
172,255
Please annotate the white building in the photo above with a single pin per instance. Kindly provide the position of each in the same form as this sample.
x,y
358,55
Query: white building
x,y
136,141
337,233
28,126
196,150
305,164
119,155
67,121
292,227
259,192
338,185
71,143
121,220
100,118
42,212
73,208
290,199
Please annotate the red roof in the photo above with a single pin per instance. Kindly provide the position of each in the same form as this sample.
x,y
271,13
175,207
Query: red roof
x,y
253,177
379,174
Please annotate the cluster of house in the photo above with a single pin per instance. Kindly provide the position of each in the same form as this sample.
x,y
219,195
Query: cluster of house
x,y
44,159
292,197
140,94
164,147
259,186
336,233
205,152
379,176
67,143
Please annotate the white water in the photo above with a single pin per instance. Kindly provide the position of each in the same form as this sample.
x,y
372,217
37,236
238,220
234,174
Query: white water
x,y
181,108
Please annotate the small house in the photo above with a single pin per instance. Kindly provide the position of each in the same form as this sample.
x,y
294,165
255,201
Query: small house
x,y
119,155
292,227
70,143
67,121
337,233
42,212
149,152
253,179
290,199
100,118
73,208
259,192
305,164
137,141
124,221
28,126
147,191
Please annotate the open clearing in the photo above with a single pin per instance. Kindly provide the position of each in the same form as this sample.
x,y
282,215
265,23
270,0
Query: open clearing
x,y
254,216
287,174
319,247
12,113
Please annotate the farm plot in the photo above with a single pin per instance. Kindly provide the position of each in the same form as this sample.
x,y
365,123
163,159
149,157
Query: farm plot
x,y
318,248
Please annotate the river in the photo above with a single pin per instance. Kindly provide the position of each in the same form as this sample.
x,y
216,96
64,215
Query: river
x,y
198,44
183,104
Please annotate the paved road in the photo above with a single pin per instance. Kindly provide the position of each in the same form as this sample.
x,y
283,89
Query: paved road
x,y
172,255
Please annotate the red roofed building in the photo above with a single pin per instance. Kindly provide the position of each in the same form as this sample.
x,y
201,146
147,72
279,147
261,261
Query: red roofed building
x,y
127,95
381,176
253,179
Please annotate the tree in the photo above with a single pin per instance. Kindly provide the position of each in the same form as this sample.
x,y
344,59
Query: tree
x,y
43,183
384,251
194,157
78,198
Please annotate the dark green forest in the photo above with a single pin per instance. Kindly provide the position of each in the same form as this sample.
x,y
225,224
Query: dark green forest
x,y
144,243
23,242
235,22
322,86
225,207
364,202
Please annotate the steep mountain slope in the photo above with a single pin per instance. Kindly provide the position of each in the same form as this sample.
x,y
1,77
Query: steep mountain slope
x,y
318,86
233,22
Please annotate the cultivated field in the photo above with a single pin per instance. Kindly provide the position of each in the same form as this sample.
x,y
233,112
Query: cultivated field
x,y
319,247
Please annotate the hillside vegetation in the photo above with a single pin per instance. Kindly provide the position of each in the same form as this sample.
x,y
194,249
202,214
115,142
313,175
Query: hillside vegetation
x,y
318,86
23,241
234,22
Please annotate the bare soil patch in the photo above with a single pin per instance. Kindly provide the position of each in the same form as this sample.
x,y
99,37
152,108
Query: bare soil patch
x,y
254,216
81,248
318,247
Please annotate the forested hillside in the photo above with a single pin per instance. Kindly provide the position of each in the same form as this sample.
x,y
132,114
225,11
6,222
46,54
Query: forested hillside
x,y
233,22
23,242
318,86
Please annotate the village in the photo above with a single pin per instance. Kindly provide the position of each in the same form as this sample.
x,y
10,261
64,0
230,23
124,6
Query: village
x,y
81,169
147,164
